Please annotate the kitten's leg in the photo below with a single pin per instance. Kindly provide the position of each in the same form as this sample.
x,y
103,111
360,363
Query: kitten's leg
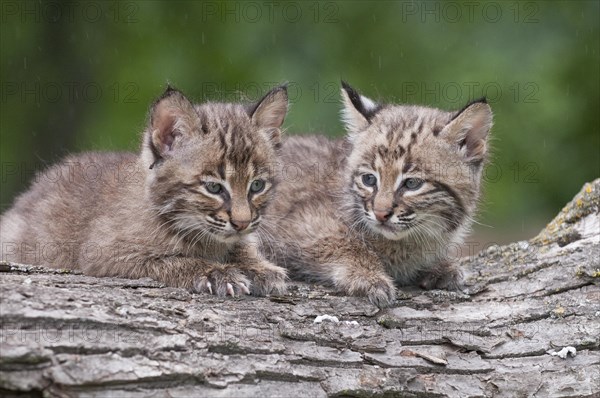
x,y
265,277
196,274
353,278
445,275
223,280
201,276
351,267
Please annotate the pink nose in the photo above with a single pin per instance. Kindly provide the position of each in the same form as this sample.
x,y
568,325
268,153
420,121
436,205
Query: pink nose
x,y
239,225
382,215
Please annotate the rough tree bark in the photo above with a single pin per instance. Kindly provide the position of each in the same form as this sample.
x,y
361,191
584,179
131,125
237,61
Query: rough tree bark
x,y
65,334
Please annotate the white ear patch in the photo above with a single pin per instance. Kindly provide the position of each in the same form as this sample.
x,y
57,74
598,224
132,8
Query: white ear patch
x,y
368,104
356,111
353,121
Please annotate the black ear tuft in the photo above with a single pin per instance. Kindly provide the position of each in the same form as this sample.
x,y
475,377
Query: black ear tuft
x,y
469,130
168,91
357,110
273,93
368,110
481,100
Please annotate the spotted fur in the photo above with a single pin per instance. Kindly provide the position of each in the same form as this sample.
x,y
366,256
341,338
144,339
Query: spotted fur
x,y
336,228
159,214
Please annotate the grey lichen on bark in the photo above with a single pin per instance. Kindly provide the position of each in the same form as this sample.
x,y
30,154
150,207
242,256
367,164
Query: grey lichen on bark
x,y
579,216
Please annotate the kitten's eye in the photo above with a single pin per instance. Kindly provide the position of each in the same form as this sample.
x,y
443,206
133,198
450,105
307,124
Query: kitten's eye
x,y
214,187
369,180
413,183
257,186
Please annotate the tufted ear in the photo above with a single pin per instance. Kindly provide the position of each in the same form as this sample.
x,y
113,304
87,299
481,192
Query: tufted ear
x,y
172,120
269,112
469,129
357,110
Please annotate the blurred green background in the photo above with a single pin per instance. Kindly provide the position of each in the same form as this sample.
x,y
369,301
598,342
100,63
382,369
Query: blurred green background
x,y
79,76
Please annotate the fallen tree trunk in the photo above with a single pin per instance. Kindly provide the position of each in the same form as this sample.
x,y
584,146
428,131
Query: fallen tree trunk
x,y
65,334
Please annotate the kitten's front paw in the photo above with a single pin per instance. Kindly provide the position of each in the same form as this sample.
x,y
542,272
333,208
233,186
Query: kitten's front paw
x,y
444,276
382,294
267,279
223,282
378,287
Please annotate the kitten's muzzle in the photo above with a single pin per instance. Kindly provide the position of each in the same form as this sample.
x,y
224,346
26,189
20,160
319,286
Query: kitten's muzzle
x,y
240,225
383,215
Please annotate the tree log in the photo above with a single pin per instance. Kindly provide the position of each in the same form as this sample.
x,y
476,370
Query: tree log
x,y
66,334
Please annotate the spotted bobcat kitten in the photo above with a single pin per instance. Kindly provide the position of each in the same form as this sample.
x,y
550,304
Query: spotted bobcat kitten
x,y
180,212
383,206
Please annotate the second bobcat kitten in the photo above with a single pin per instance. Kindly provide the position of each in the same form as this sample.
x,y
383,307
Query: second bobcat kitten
x,y
180,212
383,206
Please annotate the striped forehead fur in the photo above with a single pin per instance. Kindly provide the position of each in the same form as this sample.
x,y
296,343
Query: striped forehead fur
x,y
395,131
237,143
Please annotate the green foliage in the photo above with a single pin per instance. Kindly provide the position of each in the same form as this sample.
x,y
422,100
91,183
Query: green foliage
x,y
80,76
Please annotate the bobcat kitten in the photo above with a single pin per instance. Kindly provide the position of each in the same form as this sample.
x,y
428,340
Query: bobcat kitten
x,y
383,206
180,212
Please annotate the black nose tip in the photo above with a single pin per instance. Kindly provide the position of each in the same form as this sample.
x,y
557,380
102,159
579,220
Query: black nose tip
x,y
382,215
240,225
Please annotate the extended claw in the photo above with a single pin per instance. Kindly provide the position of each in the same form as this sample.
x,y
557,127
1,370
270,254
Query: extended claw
x,y
230,290
245,288
209,287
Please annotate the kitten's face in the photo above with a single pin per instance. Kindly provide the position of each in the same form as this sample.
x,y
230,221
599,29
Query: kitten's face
x,y
218,177
413,171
